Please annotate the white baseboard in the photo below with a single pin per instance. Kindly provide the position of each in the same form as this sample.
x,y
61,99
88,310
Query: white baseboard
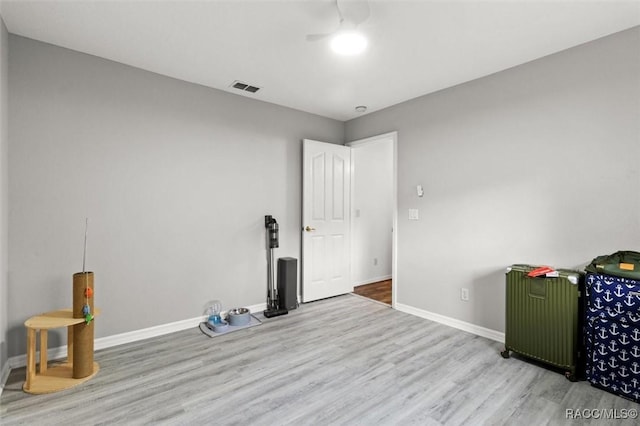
x,y
452,322
4,375
372,280
122,338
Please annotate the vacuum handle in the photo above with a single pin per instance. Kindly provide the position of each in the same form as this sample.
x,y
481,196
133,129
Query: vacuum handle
x,y
273,235
272,231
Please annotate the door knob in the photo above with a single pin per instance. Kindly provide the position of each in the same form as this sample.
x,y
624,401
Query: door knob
x,y
309,229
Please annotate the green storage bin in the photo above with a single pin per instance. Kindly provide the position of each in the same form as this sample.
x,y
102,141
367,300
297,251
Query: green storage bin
x,y
544,317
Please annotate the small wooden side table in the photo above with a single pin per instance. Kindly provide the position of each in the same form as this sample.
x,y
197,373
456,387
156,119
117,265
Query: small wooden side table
x,y
60,376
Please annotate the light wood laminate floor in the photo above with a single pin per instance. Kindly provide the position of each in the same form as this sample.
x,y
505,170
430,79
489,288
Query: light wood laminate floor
x,y
344,360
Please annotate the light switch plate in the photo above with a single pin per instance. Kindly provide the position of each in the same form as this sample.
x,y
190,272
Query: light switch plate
x,y
413,214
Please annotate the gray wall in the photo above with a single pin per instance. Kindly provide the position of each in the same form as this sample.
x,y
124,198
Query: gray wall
x,y
175,179
4,194
535,164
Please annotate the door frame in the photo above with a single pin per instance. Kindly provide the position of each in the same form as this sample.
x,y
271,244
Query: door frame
x,y
394,235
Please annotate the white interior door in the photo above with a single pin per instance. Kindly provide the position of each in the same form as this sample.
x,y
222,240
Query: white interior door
x,y
326,210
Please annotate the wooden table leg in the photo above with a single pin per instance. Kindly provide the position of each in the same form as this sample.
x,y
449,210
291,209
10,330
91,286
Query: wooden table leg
x,y
31,357
44,345
70,345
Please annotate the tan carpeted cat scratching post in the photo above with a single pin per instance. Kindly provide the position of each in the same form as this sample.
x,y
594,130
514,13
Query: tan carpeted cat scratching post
x,y
79,366
83,296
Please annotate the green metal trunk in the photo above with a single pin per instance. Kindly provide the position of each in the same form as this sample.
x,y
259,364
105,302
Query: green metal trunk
x,y
543,317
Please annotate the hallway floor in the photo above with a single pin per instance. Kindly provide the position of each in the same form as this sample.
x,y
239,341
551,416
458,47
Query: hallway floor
x,y
379,291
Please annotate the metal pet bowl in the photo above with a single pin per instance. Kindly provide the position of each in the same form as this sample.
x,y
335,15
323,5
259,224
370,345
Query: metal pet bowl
x,y
239,316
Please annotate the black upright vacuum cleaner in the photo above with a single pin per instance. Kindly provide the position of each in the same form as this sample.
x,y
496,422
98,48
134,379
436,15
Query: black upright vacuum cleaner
x,y
273,301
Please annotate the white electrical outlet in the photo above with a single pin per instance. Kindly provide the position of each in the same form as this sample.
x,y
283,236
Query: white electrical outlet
x,y
464,294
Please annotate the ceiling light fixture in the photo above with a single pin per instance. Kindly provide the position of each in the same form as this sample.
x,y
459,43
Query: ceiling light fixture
x,y
348,43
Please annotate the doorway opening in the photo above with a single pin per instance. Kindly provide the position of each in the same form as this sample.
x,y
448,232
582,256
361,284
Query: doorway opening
x,y
374,217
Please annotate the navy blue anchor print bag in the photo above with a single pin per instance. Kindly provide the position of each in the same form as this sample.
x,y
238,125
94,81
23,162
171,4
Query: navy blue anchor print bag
x,y
612,334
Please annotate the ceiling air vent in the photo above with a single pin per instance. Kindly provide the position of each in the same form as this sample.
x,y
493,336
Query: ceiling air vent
x,y
244,87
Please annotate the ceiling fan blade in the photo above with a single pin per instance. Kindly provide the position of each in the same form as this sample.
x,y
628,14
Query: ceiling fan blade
x,y
354,11
317,37
351,13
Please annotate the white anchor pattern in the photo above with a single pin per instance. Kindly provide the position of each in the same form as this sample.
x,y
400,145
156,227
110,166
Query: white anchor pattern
x,y
612,334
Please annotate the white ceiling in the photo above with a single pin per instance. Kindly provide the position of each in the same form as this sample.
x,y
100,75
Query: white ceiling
x,y
416,47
